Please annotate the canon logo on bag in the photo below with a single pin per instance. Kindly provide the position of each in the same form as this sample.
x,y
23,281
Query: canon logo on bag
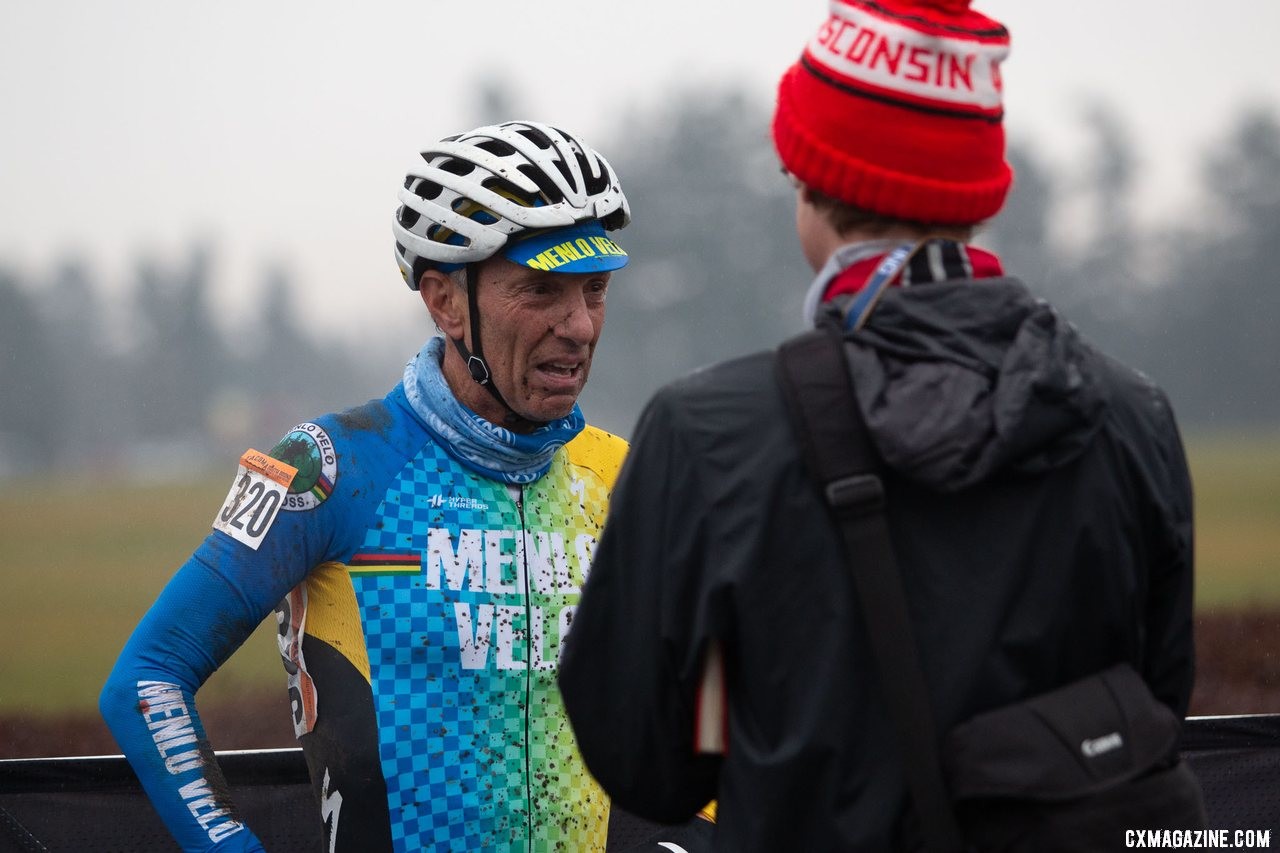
x,y
1093,747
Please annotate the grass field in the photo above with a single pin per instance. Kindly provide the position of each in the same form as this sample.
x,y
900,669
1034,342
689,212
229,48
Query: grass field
x,y
1237,487
83,563
84,560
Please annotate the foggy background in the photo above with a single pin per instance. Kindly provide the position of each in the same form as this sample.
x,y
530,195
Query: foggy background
x,y
195,246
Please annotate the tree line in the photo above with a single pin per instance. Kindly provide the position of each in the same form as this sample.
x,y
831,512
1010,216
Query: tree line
x,y
715,272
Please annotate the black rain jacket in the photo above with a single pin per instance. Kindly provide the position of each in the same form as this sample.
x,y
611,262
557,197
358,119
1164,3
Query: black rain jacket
x,y
1040,506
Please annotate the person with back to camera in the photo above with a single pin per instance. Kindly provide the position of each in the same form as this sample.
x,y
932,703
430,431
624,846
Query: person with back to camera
x,y
1035,491
425,550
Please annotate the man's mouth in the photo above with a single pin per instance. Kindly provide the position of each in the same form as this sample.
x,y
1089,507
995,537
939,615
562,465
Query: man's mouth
x,y
565,370
562,376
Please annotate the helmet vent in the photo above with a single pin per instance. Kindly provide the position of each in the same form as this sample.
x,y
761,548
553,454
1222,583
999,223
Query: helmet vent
x,y
595,185
496,147
440,234
568,175
408,217
535,136
471,210
550,192
455,166
506,189
426,190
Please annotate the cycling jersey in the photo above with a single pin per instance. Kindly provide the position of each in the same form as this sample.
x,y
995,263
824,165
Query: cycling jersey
x,y
421,606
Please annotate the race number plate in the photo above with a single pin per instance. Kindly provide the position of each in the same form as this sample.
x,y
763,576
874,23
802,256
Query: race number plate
x,y
255,498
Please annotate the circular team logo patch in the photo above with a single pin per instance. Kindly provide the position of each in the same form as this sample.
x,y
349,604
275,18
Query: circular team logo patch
x,y
308,448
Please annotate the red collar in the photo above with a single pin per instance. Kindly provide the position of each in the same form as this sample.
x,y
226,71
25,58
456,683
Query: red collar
x,y
937,260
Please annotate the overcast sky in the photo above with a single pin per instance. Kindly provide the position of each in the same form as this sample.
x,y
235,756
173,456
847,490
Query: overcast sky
x,y
280,130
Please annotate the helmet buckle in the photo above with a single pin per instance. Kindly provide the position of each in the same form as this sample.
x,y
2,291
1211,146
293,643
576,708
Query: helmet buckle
x,y
478,369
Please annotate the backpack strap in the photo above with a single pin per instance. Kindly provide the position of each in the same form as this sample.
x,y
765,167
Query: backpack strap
x,y
837,451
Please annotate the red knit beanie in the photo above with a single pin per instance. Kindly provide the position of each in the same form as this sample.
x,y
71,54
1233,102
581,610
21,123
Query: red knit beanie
x,y
895,107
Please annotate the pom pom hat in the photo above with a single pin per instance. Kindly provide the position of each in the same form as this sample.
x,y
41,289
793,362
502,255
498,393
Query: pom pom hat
x,y
896,107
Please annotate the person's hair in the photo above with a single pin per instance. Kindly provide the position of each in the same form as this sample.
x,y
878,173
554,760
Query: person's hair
x,y
846,218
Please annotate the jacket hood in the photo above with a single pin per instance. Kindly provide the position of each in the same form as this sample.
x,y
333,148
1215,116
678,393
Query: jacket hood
x,y
960,380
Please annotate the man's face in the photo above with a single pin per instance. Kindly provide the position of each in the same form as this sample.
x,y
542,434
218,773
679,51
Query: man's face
x,y
538,331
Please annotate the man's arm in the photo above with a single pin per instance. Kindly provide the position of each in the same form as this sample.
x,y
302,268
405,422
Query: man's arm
x,y
148,701
212,604
633,658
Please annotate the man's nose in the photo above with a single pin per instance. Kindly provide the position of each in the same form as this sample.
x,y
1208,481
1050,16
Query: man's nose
x,y
578,324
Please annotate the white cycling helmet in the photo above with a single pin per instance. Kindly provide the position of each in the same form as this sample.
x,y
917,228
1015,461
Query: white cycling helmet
x,y
467,195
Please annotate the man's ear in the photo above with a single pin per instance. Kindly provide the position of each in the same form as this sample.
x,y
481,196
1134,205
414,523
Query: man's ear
x,y
445,300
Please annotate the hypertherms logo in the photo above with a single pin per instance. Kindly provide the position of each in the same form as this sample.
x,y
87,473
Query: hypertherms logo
x,y
439,501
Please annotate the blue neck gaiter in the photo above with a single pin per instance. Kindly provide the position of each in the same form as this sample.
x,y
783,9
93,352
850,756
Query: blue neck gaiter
x,y
487,448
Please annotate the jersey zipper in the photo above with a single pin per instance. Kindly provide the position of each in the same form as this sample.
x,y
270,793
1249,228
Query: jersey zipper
x,y
528,675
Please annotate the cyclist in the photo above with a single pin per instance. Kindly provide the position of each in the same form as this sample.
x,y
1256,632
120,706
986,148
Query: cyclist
x,y
423,552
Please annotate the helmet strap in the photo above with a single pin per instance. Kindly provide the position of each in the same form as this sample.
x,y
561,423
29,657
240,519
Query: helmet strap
x,y
474,358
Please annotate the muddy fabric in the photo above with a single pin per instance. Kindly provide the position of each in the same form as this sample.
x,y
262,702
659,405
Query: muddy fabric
x,y
420,604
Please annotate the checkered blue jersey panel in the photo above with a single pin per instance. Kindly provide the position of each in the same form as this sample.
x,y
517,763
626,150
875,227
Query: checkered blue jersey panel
x,y
443,598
